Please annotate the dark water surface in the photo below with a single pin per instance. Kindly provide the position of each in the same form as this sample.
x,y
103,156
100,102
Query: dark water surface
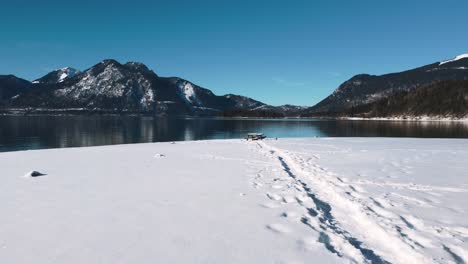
x,y
38,132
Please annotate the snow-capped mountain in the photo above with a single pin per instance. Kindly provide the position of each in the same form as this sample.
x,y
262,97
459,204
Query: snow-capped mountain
x,y
57,76
112,87
364,88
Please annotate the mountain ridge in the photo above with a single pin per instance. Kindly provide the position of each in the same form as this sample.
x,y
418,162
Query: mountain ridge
x,y
113,87
365,88
439,100
132,88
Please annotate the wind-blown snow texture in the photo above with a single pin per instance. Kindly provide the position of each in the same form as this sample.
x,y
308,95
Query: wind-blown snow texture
x,y
323,200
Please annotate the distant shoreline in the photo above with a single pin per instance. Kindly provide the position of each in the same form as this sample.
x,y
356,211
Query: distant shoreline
x,y
407,119
85,112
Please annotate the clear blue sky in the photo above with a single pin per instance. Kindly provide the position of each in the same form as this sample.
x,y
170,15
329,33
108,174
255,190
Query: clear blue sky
x,y
276,51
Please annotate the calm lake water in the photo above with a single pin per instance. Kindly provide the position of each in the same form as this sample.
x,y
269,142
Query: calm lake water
x,y
39,132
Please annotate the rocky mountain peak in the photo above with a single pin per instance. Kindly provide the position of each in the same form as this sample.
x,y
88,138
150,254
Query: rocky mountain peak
x,y
110,62
136,65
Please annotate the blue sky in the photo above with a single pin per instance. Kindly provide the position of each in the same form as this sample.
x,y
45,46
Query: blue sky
x,y
278,52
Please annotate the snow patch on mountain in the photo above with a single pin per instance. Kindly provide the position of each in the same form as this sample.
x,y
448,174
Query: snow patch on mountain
x,y
261,107
459,57
67,73
148,98
187,92
62,77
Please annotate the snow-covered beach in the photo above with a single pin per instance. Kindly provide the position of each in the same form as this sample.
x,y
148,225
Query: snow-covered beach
x,y
319,200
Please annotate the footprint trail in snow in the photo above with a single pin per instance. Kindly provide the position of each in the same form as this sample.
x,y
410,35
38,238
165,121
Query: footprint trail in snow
x,y
342,217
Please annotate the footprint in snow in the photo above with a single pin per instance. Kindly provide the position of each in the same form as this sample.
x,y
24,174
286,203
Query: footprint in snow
x,y
269,205
278,228
301,198
288,199
290,214
274,197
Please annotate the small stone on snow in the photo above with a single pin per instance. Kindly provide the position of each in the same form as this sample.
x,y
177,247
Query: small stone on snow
x,y
34,174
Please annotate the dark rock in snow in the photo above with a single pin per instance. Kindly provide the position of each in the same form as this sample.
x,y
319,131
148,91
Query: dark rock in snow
x,y
35,174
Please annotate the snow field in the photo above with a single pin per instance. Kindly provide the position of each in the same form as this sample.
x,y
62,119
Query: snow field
x,y
331,200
